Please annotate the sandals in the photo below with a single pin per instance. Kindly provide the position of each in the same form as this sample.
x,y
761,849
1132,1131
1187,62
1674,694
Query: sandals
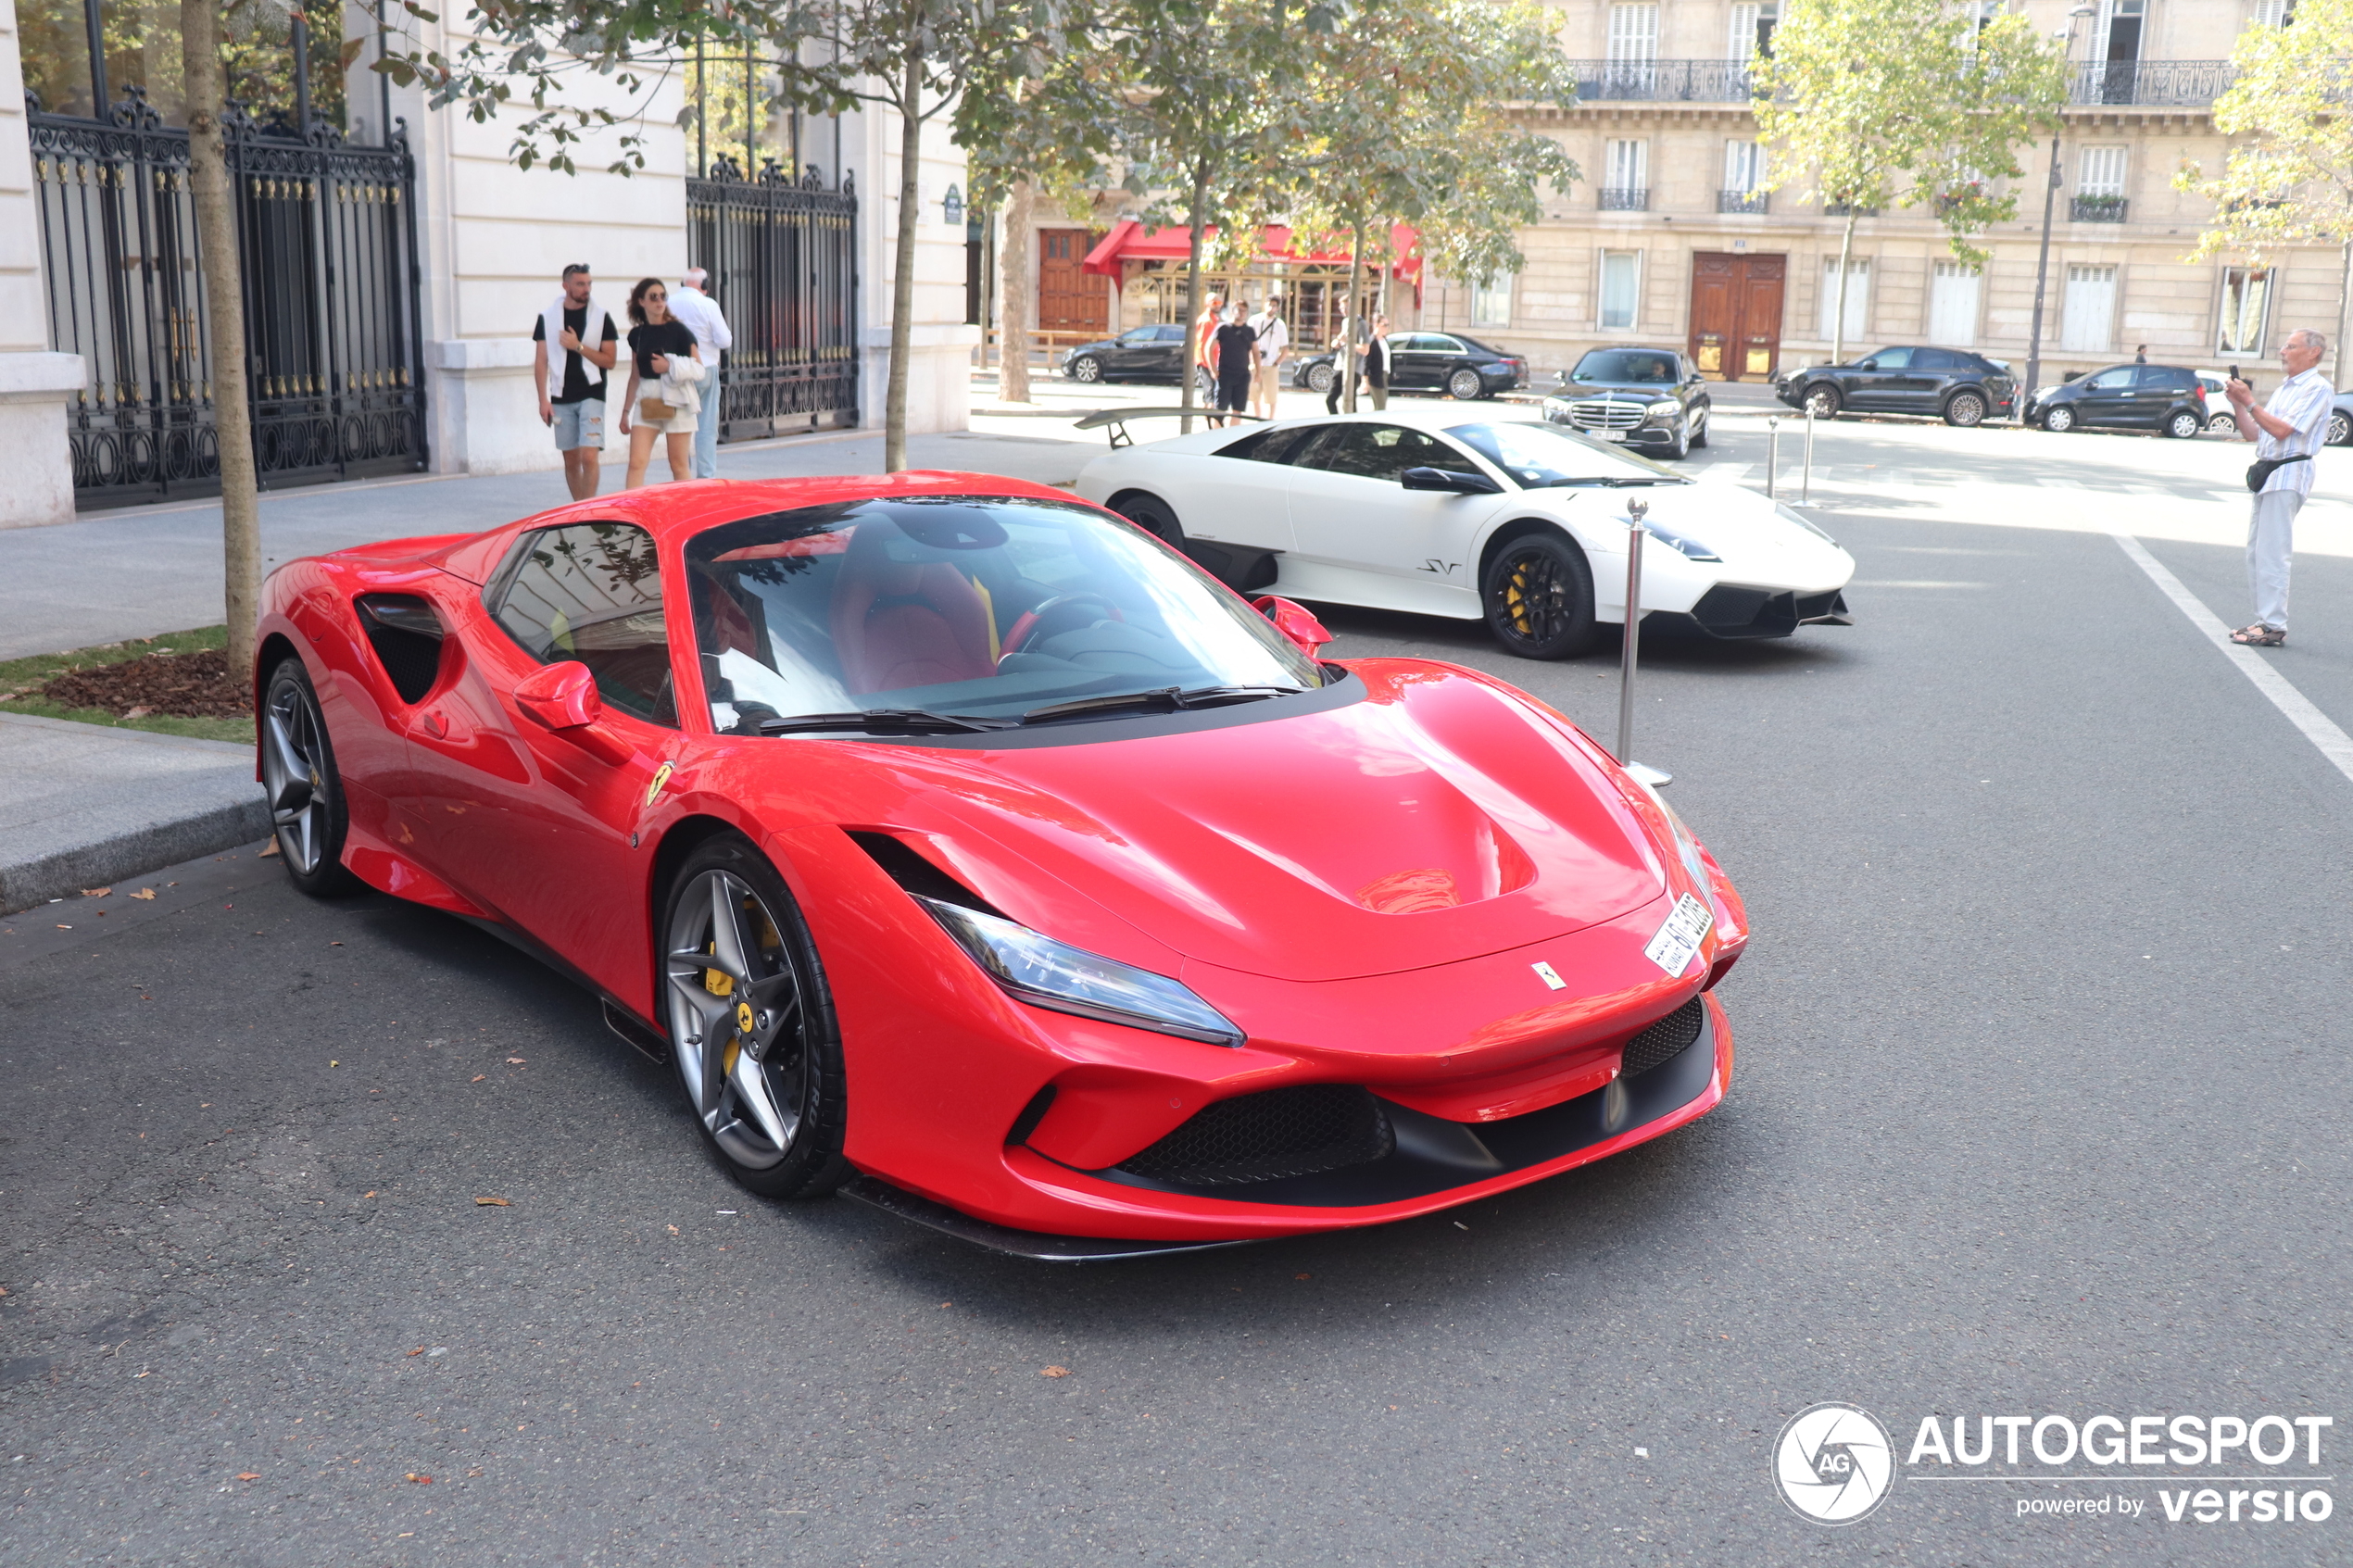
x,y
2259,636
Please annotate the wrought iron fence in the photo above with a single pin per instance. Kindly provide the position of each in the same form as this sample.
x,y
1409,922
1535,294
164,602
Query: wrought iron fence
x,y
2098,210
328,243
782,260
1743,201
1631,198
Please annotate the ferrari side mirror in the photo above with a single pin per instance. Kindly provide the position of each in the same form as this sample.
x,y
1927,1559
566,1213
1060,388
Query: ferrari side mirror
x,y
559,697
1293,621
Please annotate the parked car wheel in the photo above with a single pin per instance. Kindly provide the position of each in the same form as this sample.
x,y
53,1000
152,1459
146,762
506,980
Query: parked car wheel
x,y
2060,419
1965,410
1822,402
307,810
2340,430
1539,595
1086,367
1464,386
1319,378
1699,432
2183,424
1151,514
2224,424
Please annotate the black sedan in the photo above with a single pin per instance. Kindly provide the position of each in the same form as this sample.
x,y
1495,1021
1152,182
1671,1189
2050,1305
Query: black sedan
x,y
1964,388
1462,368
1652,399
1139,354
2164,397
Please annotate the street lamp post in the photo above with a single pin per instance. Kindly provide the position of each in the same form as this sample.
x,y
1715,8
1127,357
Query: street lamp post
x,y
2050,199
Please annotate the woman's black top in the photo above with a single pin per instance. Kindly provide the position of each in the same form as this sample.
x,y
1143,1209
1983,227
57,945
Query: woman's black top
x,y
1377,362
661,337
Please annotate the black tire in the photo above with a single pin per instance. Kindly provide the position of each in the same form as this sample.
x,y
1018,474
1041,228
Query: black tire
x,y
1823,399
1965,410
769,1093
1086,367
1537,593
2059,421
2183,423
307,807
1464,384
2340,428
1152,515
1677,453
1699,431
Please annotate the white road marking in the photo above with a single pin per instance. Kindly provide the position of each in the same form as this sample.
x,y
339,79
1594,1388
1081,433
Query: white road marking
x,y
2318,728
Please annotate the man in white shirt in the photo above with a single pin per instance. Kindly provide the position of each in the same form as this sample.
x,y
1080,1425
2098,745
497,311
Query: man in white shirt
x,y
2287,431
1273,342
700,313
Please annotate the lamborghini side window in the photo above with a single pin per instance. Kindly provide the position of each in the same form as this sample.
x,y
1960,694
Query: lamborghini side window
x,y
1383,451
592,592
1271,445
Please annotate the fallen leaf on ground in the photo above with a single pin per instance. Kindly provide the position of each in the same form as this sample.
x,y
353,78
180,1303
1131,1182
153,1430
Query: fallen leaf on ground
x,y
420,1480
267,850
147,892
493,1203
671,1229
418,1351
480,1077
1303,1276
96,892
1055,1371
369,1194
514,1062
249,1475
138,712
65,928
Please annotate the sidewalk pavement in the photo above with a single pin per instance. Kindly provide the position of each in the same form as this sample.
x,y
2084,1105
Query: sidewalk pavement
x,y
83,806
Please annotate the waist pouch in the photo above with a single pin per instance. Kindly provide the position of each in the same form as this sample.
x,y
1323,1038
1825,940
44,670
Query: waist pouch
x,y
2259,471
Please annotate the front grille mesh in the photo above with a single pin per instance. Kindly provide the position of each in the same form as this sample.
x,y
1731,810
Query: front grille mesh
x,y
1602,413
1293,1132
1662,1040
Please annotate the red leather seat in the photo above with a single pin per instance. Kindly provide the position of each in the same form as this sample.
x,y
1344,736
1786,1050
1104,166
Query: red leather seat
x,y
906,623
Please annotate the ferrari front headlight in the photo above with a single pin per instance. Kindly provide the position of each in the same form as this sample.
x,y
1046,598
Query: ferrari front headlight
x,y
1032,967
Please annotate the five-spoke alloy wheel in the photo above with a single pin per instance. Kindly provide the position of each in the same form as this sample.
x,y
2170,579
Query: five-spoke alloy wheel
x,y
752,1023
1539,596
307,812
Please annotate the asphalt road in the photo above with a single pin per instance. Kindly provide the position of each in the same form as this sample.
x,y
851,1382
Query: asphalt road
x,y
2040,1108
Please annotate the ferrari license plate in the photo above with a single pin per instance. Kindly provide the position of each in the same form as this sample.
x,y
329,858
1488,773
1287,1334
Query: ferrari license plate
x,y
1687,925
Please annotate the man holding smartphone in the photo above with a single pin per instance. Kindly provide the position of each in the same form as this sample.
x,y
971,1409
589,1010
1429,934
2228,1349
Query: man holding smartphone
x,y
2287,431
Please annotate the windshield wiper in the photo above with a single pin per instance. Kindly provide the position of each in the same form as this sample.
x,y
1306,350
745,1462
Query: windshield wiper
x,y
1608,481
876,720
1164,699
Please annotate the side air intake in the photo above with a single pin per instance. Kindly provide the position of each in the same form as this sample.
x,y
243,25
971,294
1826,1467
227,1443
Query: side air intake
x,y
1662,1040
407,637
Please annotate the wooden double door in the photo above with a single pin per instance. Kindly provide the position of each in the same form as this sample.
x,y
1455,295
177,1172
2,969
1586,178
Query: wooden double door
x,y
1068,300
1736,314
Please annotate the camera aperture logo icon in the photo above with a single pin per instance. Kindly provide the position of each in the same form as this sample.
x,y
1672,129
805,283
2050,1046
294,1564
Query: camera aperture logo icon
x,y
1834,1463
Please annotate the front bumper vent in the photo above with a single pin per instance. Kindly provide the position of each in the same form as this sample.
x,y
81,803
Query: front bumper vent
x,y
1662,1040
1300,1131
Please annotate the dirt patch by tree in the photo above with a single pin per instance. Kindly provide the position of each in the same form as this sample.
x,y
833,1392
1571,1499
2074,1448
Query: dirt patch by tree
x,y
185,685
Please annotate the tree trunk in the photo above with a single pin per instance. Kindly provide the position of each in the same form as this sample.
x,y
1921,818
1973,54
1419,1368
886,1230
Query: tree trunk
x,y
2344,301
1838,322
902,282
1198,213
1356,325
225,322
1014,296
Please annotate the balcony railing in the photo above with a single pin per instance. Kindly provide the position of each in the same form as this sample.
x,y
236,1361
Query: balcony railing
x,y
1847,210
2151,83
1742,201
1627,198
2098,209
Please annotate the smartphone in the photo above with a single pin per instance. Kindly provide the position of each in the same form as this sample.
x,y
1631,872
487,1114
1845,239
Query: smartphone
x,y
2234,374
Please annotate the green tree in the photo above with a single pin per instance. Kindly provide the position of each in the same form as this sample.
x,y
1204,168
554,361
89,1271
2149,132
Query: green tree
x,y
1898,102
2288,179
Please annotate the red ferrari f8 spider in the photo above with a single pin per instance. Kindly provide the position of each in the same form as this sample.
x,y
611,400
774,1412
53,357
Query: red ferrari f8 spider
x,y
970,851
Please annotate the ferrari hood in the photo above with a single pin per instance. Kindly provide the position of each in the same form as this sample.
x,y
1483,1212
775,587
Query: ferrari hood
x,y
1439,819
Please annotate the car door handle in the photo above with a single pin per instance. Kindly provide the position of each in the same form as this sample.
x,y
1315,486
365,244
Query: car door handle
x,y
435,725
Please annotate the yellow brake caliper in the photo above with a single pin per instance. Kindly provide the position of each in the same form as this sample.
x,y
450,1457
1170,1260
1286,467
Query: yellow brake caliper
x,y
720,984
1516,602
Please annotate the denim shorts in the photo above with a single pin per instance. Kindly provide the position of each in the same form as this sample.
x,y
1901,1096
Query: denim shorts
x,y
580,424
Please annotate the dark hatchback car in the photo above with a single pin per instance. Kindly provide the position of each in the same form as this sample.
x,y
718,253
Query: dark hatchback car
x,y
1139,354
1961,387
2164,397
1462,368
1652,399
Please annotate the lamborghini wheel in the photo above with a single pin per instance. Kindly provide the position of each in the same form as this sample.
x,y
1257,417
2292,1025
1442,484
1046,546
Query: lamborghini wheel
x,y
1539,596
308,815
752,1023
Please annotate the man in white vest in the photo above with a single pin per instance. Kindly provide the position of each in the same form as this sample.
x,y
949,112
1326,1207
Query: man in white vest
x,y
701,312
582,330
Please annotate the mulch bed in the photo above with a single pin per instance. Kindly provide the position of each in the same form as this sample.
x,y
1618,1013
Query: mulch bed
x,y
185,685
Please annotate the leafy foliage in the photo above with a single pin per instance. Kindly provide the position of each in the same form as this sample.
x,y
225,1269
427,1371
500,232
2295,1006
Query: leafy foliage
x,y
2289,176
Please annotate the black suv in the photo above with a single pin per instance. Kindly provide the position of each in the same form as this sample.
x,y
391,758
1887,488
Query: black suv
x,y
2166,397
1964,388
1650,398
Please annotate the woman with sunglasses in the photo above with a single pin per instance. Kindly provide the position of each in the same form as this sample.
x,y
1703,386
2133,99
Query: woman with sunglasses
x,y
657,343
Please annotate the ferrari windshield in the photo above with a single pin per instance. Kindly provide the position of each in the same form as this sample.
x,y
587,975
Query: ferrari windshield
x,y
925,613
1541,456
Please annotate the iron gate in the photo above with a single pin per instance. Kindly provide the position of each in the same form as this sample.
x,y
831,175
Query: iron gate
x,y
783,261
328,241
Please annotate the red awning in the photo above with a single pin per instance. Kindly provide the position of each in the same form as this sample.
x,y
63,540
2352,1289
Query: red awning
x,y
1131,241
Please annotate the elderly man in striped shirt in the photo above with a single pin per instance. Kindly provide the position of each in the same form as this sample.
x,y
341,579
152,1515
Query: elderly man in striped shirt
x,y
2287,431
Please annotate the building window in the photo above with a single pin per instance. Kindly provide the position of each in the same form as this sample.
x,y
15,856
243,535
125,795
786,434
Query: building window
x,y
2088,315
1628,185
2247,308
2102,172
1633,34
1492,302
2274,13
1744,166
1753,29
1621,287
1952,303
1858,299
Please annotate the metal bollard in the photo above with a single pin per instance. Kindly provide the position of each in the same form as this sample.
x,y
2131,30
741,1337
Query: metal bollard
x,y
1773,453
1635,511
1805,485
